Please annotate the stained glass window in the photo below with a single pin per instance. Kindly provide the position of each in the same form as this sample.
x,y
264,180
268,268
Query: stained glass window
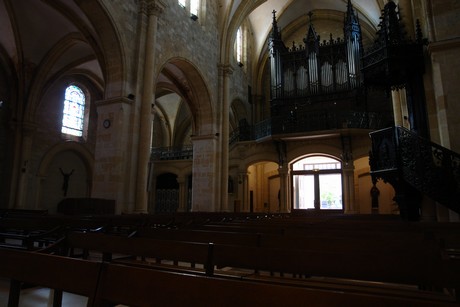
x,y
74,111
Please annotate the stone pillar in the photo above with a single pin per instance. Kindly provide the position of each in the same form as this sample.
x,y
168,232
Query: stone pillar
x,y
401,115
225,72
182,181
154,8
349,187
243,193
405,10
27,133
204,174
397,112
113,151
285,203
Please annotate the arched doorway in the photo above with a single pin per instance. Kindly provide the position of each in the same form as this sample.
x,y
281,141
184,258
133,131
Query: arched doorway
x,y
183,128
383,193
317,184
166,193
263,187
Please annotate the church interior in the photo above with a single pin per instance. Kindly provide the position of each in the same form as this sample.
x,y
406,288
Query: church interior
x,y
230,134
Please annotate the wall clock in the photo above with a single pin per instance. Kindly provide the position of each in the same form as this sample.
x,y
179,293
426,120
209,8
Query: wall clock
x,y
106,123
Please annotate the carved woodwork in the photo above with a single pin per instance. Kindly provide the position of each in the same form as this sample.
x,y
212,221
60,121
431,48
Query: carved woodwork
x,y
414,165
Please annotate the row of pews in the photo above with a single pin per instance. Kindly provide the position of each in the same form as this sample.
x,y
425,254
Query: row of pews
x,y
226,259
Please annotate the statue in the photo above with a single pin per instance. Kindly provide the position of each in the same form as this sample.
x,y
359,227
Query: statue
x,y
65,183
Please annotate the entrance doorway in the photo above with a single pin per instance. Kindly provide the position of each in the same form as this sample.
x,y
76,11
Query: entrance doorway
x,y
317,184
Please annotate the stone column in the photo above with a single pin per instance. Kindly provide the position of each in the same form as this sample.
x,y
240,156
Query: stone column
x,y
243,191
28,131
349,187
405,10
113,151
225,72
204,174
182,181
397,111
154,8
285,203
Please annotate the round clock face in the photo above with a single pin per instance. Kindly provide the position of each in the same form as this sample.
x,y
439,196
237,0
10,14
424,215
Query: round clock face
x,y
106,123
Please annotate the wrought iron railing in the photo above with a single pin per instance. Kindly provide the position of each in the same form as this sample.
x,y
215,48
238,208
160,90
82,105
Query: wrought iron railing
x,y
428,167
172,153
311,121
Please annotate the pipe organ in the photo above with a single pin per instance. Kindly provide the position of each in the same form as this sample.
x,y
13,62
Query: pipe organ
x,y
318,79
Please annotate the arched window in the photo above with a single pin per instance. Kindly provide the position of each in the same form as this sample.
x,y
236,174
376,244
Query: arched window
x,y
192,6
317,183
73,114
239,46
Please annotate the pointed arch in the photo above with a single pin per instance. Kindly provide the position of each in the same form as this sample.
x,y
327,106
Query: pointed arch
x,y
182,77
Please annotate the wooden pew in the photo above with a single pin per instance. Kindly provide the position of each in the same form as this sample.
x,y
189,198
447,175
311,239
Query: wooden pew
x,y
421,267
108,283
55,272
203,236
121,284
330,264
32,240
6,212
111,246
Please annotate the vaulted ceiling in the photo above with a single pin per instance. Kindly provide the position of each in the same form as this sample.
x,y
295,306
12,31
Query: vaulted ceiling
x,y
63,36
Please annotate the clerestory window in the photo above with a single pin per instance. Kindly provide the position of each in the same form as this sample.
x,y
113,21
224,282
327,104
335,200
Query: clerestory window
x,y
192,6
240,46
73,114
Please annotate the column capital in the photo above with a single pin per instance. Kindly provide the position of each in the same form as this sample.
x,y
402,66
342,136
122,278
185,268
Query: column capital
x,y
225,69
153,7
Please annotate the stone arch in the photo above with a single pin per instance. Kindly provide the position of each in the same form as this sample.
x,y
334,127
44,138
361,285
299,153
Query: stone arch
x,y
263,182
238,111
314,154
75,147
71,160
184,78
108,51
320,149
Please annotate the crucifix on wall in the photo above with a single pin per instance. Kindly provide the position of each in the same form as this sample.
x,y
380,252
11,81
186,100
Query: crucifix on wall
x,y
66,178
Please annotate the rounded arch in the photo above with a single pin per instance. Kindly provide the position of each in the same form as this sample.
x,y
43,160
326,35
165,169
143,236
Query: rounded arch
x,y
238,112
263,186
65,171
180,169
314,154
317,183
75,147
297,153
184,78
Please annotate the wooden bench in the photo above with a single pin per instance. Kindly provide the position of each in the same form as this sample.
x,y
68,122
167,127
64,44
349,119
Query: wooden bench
x,y
416,267
143,286
204,236
111,247
108,283
121,284
55,272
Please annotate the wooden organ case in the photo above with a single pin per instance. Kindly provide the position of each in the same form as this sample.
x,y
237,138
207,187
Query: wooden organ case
x,y
319,85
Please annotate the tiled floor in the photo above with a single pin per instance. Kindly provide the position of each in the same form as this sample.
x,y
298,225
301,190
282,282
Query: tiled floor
x,y
39,297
